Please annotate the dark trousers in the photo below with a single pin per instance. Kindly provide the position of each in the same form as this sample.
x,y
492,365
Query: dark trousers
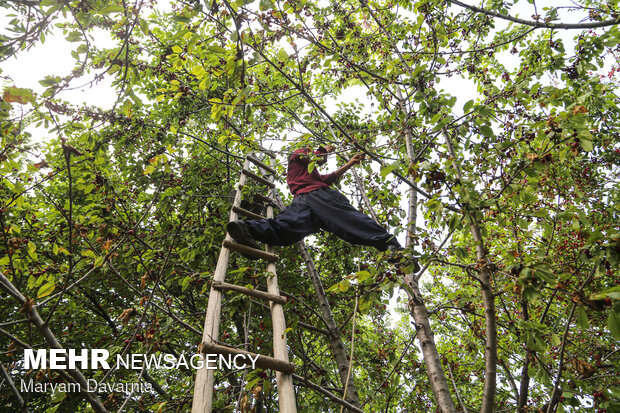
x,y
326,209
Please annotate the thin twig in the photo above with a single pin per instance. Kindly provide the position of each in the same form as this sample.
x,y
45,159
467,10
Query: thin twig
x,y
346,383
456,390
556,384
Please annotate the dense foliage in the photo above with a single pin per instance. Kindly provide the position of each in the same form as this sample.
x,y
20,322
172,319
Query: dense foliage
x,y
112,218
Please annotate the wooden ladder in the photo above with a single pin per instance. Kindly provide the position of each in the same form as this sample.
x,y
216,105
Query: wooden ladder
x,y
204,386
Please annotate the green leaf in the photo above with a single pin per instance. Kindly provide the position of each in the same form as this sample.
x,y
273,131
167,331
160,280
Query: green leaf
x,y
546,274
46,289
388,168
112,8
586,144
31,250
613,293
582,318
363,275
58,396
613,323
251,383
454,222
99,260
344,285
144,26
595,236
50,81
532,343
89,253
198,71
487,131
522,223
54,409
204,83
528,197
365,302
265,5
74,36
185,282
541,375
216,49
311,166
467,106
180,18
126,108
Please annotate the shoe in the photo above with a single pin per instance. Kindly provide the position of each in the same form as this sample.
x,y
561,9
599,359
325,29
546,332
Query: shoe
x,y
394,254
240,232
398,255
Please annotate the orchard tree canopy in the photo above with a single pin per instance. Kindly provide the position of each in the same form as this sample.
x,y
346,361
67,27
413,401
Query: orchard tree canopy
x,y
491,134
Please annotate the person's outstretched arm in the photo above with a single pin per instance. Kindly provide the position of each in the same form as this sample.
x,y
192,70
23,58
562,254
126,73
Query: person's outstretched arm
x,y
304,155
344,168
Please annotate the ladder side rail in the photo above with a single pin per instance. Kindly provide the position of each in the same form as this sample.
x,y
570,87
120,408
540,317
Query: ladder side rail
x,y
205,378
286,392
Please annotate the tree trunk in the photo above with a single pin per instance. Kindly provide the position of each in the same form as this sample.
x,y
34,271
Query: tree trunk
x,y
524,386
432,361
488,300
418,310
335,340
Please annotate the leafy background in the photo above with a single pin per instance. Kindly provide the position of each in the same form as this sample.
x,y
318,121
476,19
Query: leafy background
x,y
112,217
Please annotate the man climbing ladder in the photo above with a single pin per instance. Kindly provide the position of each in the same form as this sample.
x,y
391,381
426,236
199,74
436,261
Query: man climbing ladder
x,y
315,206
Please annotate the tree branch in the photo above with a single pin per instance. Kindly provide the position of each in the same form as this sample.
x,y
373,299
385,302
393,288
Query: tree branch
x,y
490,379
554,396
45,331
456,390
20,401
335,340
331,396
537,24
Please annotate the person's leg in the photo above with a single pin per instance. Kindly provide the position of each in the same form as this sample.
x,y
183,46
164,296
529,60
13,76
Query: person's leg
x,y
337,215
288,227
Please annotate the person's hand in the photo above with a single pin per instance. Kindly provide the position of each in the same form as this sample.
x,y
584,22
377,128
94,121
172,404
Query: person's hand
x,y
330,148
357,159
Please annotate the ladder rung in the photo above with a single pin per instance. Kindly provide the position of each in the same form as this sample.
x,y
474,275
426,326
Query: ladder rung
x,y
258,178
267,199
267,152
264,362
253,252
247,213
248,291
261,165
